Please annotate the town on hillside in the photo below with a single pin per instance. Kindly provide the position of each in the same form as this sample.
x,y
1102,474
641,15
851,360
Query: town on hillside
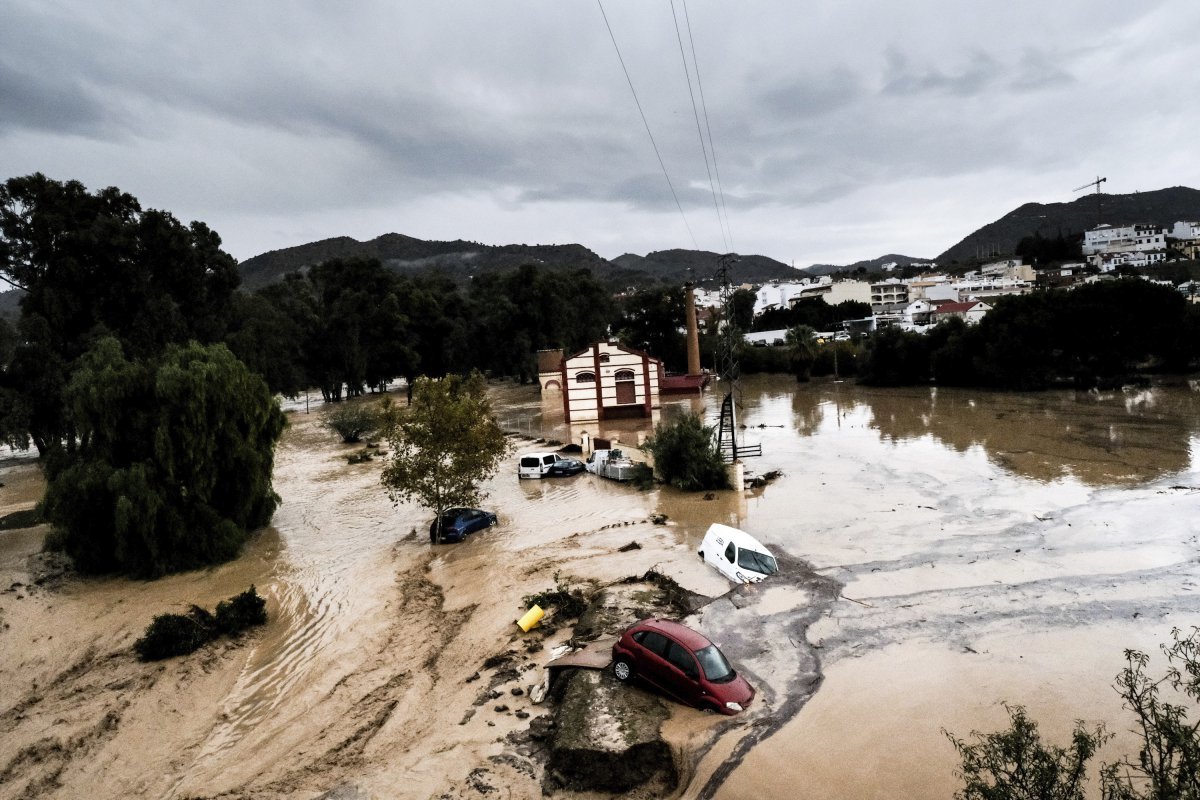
x,y
918,303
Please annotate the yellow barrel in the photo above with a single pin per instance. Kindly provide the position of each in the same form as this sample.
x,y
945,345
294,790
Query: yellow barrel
x,y
531,618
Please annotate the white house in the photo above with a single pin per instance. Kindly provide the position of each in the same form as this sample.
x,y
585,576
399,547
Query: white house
x,y
1110,246
785,295
609,381
1185,230
972,311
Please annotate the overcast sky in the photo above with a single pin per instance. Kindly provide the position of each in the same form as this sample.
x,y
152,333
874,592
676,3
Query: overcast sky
x,y
842,131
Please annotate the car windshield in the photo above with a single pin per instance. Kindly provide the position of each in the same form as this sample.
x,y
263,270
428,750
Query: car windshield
x,y
715,667
759,562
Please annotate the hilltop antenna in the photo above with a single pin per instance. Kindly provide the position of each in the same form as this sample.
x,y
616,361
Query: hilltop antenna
x,y
1095,183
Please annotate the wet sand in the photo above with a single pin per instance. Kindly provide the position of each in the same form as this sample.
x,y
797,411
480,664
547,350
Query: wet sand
x,y
915,503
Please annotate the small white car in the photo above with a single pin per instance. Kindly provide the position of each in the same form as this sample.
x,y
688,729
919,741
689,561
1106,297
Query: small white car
x,y
535,465
737,555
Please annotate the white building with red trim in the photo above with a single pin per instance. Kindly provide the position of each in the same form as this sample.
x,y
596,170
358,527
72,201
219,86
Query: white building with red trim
x,y
609,381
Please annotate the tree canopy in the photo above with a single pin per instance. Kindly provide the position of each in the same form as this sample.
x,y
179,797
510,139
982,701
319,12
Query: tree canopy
x,y
173,465
444,445
95,265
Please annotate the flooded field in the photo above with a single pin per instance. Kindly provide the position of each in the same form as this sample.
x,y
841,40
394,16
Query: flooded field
x,y
951,550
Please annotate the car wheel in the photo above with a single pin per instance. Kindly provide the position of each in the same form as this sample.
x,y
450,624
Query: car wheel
x,y
622,670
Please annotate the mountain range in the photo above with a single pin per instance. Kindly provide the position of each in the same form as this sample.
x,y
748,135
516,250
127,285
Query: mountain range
x,y
460,259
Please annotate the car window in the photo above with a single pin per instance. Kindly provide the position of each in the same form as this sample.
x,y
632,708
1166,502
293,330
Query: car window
x,y
729,553
655,642
759,562
529,461
681,658
715,667
547,460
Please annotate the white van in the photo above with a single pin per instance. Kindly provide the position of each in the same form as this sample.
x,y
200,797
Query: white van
x,y
535,465
737,555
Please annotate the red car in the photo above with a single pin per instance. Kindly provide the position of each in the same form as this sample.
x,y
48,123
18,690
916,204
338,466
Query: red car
x,y
681,663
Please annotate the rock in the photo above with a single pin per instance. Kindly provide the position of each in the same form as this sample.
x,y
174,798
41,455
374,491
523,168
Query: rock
x,y
658,519
606,737
625,548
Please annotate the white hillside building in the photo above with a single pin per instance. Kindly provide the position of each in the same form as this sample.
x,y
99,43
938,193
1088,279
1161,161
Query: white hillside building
x,y
785,295
1110,246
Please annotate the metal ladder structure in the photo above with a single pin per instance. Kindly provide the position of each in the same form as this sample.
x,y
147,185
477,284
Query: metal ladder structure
x,y
727,367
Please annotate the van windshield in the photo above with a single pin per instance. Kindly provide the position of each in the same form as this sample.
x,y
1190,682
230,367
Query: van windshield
x,y
759,562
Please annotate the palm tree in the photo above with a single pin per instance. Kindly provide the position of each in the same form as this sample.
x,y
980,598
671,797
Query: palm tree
x,y
802,344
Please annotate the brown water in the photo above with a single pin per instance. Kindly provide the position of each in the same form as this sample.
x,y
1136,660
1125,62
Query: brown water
x,y
992,547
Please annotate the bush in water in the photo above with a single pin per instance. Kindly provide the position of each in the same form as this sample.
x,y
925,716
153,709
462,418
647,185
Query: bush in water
x,y
240,612
352,421
175,635
179,634
686,455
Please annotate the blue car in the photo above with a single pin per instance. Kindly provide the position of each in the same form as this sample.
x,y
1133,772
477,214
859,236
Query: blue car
x,y
458,522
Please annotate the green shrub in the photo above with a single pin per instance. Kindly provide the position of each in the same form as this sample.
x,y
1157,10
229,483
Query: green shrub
x,y
686,455
240,612
172,635
175,635
353,421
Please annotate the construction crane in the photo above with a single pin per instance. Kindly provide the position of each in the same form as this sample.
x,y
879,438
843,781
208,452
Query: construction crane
x,y
1095,183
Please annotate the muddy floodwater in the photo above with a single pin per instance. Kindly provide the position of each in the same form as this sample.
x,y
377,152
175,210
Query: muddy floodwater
x,y
943,551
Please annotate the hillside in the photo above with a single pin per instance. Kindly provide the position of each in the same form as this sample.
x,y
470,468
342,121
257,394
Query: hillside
x,y
1000,238
700,266
871,265
458,259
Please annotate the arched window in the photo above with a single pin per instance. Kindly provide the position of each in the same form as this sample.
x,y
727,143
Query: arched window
x,y
624,375
604,358
585,377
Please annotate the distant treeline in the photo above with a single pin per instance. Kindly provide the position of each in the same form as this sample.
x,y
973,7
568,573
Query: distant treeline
x,y
350,325
1096,334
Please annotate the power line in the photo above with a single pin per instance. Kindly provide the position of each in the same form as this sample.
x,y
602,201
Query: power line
x,y
704,105
647,124
696,114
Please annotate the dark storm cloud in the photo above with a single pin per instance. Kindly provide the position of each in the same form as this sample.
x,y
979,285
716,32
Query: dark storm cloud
x,y
979,73
814,94
508,118
33,101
